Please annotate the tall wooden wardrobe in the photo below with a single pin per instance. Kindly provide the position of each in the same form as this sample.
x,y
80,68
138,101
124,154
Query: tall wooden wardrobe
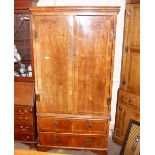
x,y
128,100
73,58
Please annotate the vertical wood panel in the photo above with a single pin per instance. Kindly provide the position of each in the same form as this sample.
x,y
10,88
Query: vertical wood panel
x,y
53,63
92,63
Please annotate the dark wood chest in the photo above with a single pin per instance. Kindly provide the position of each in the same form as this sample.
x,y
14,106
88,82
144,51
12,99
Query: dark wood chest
x,y
24,116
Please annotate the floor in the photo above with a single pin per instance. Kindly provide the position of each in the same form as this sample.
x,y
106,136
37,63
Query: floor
x,y
114,149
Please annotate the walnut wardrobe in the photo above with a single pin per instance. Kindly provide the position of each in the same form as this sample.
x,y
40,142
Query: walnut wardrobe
x,y
73,59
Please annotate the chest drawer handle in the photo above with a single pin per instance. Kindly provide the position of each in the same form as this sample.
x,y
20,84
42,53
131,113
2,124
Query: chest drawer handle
x,y
56,139
56,123
26,110
26,118
89,125
20,111
89,141
23,118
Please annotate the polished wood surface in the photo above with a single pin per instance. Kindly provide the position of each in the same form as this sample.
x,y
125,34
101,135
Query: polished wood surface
x,y
78,86
133,1
73,57
24,4
24,93
54,124
128,101
73,140
76,125
27,152
130,80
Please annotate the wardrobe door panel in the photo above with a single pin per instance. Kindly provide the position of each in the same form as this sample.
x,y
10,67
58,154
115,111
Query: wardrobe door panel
x,y
131,57
92,63
52,54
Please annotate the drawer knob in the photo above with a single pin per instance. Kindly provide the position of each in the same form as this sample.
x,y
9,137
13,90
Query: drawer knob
x,y
56,139
21,118
89,141
129,100
56,123
89,125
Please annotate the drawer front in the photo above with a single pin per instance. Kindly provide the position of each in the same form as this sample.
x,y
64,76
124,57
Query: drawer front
x,y
90,126
54,139
54,124
129,99
73,140
24,119
91,141
24,137
21,127
21,110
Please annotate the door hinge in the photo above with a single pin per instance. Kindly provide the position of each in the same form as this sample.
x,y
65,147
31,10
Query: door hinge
x,y
129,13
126,49
35,33
123,82
38,97
108,101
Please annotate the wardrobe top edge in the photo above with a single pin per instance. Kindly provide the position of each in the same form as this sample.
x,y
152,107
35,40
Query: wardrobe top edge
x,y
75,8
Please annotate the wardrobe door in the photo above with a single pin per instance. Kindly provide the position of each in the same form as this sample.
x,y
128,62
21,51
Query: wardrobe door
x,y
51,41
92,63
131,55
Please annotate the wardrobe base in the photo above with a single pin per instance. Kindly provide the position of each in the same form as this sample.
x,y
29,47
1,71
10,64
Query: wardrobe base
x,y
44,148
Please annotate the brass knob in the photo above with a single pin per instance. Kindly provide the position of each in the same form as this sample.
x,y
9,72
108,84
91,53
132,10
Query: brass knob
x,y
89,125
56,123
89,141
56,139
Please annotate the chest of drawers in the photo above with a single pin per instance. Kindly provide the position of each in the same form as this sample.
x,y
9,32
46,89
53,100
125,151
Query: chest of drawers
x,y
24,110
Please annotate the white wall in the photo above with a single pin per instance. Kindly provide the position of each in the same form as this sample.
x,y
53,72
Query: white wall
x,y
119,37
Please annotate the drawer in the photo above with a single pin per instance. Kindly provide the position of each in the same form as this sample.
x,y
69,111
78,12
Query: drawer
x,y
130,99
73,140
21,127
24,119
24,137
91,141
54,124
90,126
23,110
54,139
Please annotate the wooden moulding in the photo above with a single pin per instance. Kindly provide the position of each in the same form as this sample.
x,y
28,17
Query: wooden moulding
x,y
24,4
74,9
44,148
132,1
